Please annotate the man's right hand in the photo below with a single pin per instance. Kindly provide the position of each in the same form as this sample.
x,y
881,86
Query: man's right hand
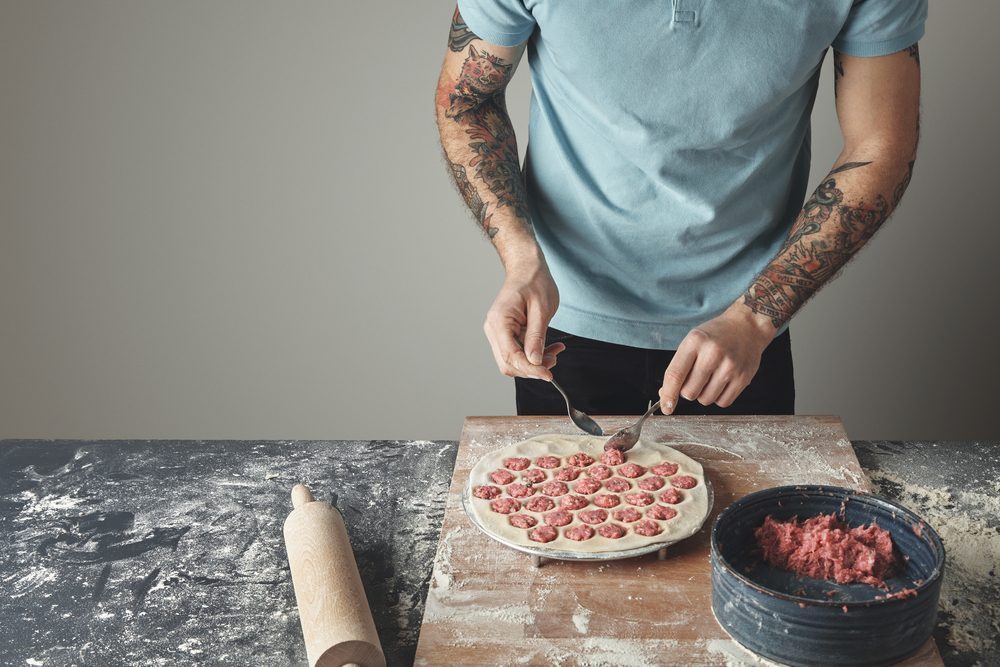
x,y
521,313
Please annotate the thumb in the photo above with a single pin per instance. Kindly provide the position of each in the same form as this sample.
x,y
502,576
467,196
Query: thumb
x,y
534,336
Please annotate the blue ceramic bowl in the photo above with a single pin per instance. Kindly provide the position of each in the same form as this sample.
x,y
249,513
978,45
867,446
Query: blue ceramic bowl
x,y
802,621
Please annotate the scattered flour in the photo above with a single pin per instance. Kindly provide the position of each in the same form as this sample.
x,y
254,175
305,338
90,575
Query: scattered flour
x,y
581,619
970,588
607,652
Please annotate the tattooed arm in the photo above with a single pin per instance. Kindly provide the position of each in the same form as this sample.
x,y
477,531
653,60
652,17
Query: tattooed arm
x,y
878,103
481,152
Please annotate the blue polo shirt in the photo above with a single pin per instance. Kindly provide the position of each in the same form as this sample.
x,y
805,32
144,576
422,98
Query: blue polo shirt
x,y
668,147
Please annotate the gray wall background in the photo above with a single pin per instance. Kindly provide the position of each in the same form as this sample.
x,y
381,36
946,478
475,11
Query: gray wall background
x,y
231,219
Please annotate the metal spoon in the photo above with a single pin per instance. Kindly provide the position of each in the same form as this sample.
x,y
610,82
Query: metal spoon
x,y
581,419
625,439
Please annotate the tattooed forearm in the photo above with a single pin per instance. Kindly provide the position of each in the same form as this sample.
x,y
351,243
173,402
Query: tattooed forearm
x,y
826,235
472,198
459,36
476,103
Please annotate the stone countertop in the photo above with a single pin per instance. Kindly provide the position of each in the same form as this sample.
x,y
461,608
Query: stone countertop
x,y
170,552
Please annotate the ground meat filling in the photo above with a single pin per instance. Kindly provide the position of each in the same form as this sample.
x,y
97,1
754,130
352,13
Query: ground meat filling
x,y
652,483
587,486
543,534
547,462
501,477
558,518
505,505
671,496
640,499
606,500
568,474
824,547
572,502
520,490
647,528
539,504
631,470
617,484
666,469
594,516
600,472
661,513
533,476
555,488
581,460
627,515
579,533
486,492
613,457
516,463
522,521
684,482
612,531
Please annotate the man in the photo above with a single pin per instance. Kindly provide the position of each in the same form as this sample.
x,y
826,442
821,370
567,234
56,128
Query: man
x,y
663,185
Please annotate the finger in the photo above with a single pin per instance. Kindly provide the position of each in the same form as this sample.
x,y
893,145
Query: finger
x,y
534,335
549,360
555,348
675,376
513,355
697,379
716,385
730,394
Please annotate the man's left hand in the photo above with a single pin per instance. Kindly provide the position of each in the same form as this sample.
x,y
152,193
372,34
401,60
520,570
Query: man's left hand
x,y
717,360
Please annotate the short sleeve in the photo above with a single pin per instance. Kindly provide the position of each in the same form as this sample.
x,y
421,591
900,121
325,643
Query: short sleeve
x,y
881,27
501,22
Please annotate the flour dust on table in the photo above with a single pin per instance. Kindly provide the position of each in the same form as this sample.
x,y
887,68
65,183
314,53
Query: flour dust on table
x,y
564,492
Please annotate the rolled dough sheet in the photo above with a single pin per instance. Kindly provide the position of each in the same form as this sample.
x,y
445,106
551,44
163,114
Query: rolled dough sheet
x,y
691,511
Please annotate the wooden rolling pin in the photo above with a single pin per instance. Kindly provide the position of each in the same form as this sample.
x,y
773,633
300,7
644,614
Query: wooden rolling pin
x,y
337,624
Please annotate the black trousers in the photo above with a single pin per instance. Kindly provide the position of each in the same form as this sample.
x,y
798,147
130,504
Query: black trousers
x,y
609,379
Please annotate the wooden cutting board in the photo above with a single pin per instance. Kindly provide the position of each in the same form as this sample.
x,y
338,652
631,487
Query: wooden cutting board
x,y
487,605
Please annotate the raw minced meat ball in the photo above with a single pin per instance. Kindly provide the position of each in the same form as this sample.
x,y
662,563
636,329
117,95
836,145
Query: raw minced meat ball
x,y
579,533
516,463
684,482
501,477
666,469
547,462
580,459
606,500
522,520
631,470
517,490
505,505
572,502
593,516
612,531
653,483
617,484
539,504
671,496
587,486
486,492
533,476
